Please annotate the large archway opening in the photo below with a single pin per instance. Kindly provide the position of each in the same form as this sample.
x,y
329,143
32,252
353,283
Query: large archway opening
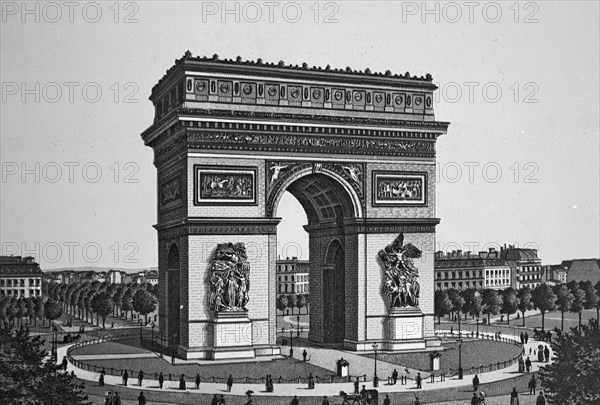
x,y
327,202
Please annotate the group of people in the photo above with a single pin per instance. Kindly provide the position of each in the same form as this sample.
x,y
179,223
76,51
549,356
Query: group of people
x,y
218,400
269,383
524,338
514,396
112,398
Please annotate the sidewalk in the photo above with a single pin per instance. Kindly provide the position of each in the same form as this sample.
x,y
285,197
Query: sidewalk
x,y
322,358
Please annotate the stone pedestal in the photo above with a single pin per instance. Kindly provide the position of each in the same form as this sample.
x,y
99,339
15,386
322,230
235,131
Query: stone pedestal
x,y
405,329
232,336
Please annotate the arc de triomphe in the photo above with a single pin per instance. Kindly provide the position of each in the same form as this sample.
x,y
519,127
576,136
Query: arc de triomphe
x,y
357,149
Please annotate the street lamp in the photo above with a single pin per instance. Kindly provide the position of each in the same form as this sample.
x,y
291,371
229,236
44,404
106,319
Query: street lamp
x,y
291,341
162,343
153,325
298,327
54,345
140,322
375,379
460,370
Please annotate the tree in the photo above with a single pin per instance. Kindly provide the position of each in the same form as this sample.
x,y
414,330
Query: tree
x,y
39,310
543,299
301,302
52,310
572,378
292,302
102,305
27,379
442,304
564,300
492,303
578,303
457,301
127,301
510,302
117,298
591,297
282,302
525,304
144,302
597,288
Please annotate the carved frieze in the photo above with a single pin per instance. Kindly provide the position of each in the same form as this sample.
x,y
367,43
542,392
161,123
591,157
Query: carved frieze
x,y
170,192
396,188
218,185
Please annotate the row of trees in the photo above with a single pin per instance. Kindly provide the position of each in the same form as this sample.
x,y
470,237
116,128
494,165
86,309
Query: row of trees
x,y
292,301
571,297
103,299
14,310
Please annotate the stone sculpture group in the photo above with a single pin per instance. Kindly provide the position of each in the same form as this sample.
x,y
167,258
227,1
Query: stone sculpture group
x,y
230,278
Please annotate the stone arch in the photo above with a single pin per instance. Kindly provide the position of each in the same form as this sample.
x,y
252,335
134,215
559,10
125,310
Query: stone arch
x,y
352,203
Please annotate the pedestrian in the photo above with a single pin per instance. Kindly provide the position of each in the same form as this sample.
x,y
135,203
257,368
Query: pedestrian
x,y
526,337
363,392
248,398
419,380
311,381
514,397
325,401
386,401
295,401
546,354
229,383
271,385
64,363
541,400
356,386
125,378
474,399
161,380
304,354
532,385
395,376
482,398
142,399
528,364
116,399
522,337
417,400
521,364
222,400
215,400
197,381
140,378
451,330
109,398
475,383
530,349
101,378
182,382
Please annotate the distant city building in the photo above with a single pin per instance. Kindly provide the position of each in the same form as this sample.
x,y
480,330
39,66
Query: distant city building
x,y
554,274
525,265
20,277
292,276
582,270
461,270
112,276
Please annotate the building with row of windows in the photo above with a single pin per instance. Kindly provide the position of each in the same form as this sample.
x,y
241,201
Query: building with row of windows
x,y
20,277
508,267
461,270
292,276
111,276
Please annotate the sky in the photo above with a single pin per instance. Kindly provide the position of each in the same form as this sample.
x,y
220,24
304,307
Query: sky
x,y
519,82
